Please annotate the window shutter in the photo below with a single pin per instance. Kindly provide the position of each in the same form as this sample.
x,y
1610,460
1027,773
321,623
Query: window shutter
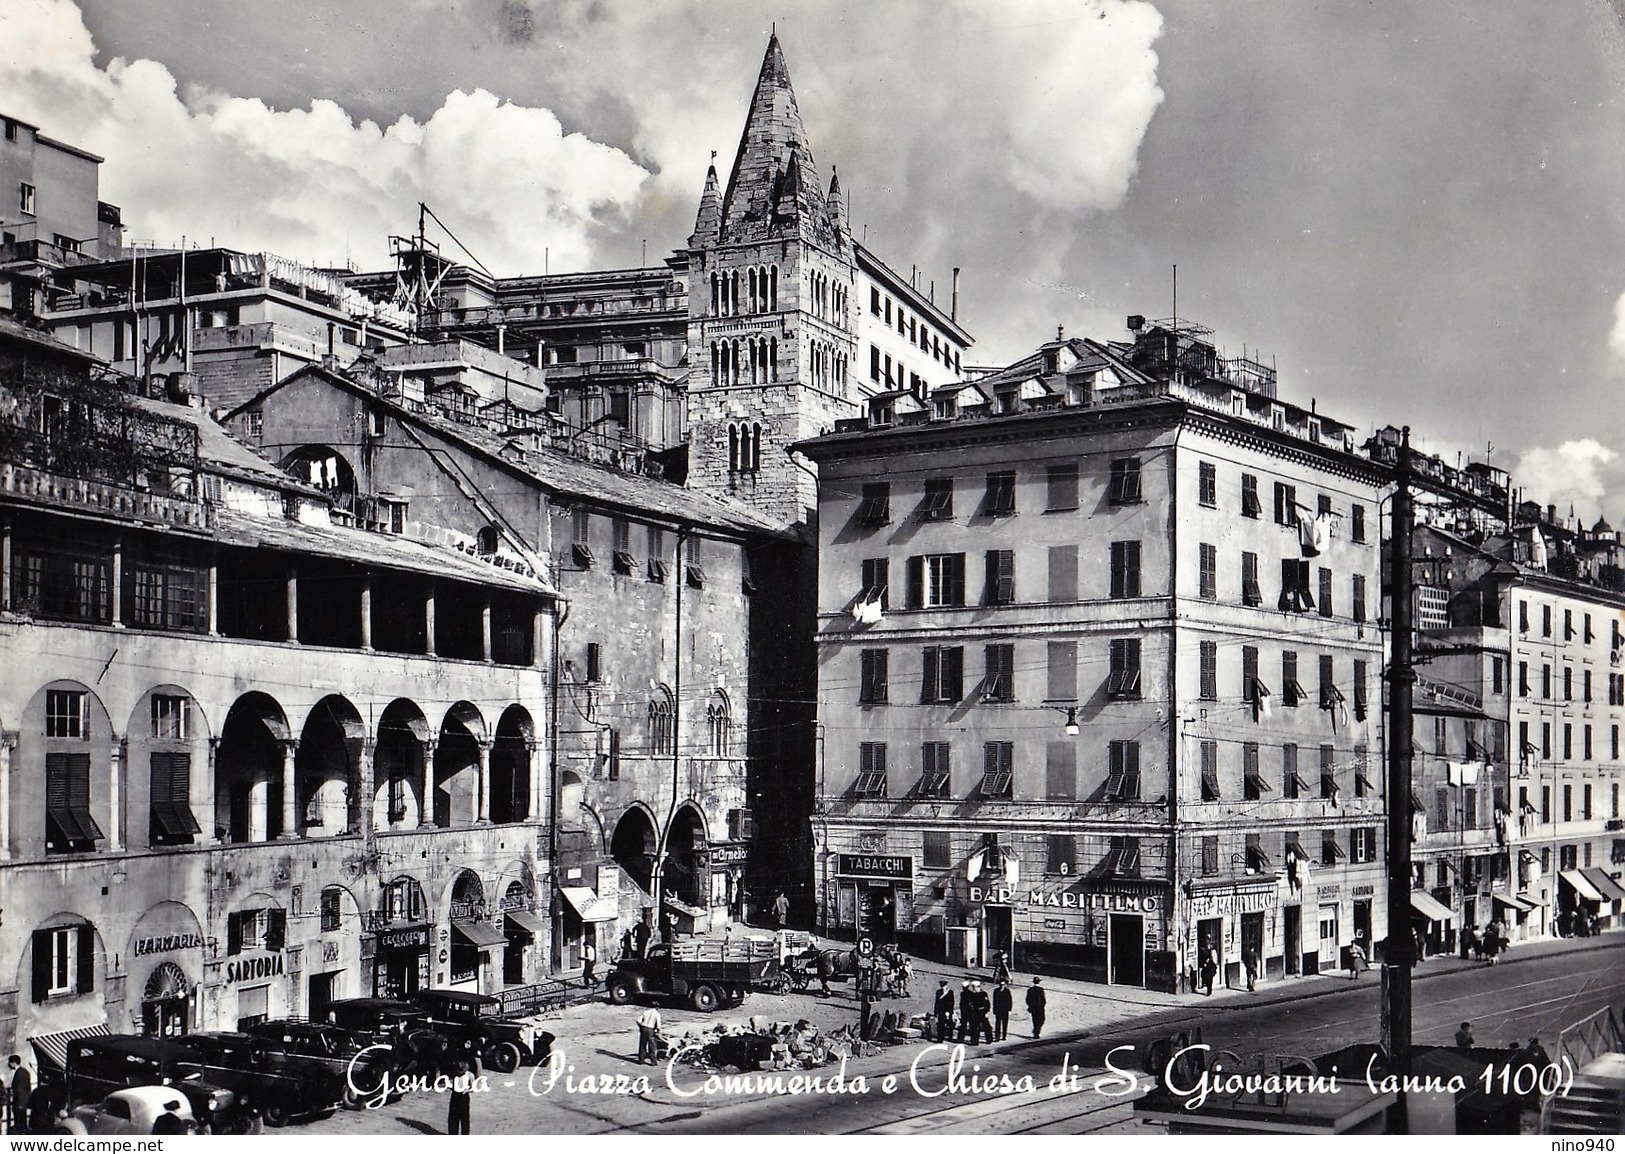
x,y
990,594
1063,573
276,929
87,958
1063,671
956,579
234,934
953,673
916,582
40,965
931,681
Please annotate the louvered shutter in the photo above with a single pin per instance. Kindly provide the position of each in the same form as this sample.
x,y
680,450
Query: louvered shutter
x,y
40,965
87,958
916,582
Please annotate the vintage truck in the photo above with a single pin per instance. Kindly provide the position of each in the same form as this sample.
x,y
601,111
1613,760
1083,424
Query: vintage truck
x,y
704,974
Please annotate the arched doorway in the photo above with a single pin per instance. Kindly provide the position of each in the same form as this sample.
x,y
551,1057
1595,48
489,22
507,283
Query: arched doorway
x,y
248,770
633,847
399,758
457,766
326,469
471,931
687,872
510,766
164,1001
326,768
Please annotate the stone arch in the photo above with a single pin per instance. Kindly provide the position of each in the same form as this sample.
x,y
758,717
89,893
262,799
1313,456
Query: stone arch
x,y
325,468
511,765
62,970
634,844
464,740
400,759
327,768
687,845
248,769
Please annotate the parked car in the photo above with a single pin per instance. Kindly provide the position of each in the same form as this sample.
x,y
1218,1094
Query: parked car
x,y
344,1053
286,1086
138,1110
474,1022
99,1066
415,1047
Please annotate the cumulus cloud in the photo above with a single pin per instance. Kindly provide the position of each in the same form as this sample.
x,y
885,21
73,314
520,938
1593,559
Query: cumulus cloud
x,y
312,183
1576,472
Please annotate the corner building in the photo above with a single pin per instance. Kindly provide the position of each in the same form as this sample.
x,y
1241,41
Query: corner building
x,y
1097,671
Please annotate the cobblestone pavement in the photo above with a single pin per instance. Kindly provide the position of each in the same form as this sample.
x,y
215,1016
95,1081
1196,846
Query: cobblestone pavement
x,y
597,1046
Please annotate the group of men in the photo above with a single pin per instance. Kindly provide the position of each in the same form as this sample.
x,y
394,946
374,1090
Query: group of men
x,y
975,1004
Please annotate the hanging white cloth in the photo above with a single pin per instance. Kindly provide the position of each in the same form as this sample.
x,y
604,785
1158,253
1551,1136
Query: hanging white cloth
x,y
1306,536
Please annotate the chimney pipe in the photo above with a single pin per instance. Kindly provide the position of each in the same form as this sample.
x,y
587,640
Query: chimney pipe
x,y
953,311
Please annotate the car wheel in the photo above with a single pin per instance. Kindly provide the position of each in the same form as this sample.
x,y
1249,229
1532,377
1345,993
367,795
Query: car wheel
x,y
504,1057
352,1099
276,1116
703,999
620,992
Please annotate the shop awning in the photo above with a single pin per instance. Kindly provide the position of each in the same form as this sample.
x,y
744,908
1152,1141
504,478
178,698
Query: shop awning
x,y
1513,902
1581,885
52,1049
683,907
1428,906
479,934
1605,885
526,922
586,903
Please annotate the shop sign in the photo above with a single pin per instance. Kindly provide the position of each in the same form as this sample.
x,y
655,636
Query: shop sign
x,y
514,899
1107,900
1239,901
729,854
1324,892
1055,923
165,943
413,939
254,969
1364,891
468,909
893,867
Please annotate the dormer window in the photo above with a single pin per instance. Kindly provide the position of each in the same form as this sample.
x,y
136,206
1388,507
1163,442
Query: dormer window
x,y
945,408
881,414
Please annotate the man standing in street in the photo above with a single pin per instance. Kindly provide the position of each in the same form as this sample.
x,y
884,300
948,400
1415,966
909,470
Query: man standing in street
x,y
457,1107
649,1037
1249,962
781,909
589,960
1003,1003
22,1089
1035,1006
944,1008
640,939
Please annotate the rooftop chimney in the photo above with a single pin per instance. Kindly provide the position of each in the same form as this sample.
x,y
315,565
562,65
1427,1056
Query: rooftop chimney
x,y
953,312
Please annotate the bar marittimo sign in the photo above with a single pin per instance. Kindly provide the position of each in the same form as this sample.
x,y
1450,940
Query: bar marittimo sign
x,y
1147,903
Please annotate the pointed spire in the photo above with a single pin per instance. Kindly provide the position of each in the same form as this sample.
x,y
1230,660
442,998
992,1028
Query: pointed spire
x,y
774,166
709,219
836,202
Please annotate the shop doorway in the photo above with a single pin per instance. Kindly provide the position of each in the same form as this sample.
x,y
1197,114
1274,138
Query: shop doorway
x,y
877,912
164,1004
1292,931
1327,960
1127,950
1252,941
999,931
320,994
1362,926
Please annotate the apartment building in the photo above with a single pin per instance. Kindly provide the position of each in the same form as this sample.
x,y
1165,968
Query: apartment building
x,y
1096,670
252,757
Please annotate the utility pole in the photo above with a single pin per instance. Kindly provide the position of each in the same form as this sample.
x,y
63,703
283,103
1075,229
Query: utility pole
x,y
1397,958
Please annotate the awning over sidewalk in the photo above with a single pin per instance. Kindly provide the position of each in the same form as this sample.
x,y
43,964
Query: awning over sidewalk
x,y
586,903
52,1049
1514,902
1605,885
1429,907
1581,885
526,922
629,884
481,934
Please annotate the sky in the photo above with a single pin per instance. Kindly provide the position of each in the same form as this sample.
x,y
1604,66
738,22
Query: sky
x,y
1411,206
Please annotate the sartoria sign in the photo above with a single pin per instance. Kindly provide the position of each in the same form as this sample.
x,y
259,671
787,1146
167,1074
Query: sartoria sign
x,y
166,943
871,865
1135,903
252,969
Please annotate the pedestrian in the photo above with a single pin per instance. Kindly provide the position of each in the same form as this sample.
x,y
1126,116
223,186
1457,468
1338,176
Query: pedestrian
x,y
626,944
457,1108
1469,938
1421,944
640,938
1492,943
668,928
1249,962
1356,960
781,908
905,974
1035,1005
967,1008
589,961
1464,1036
943,1007
649,1037
1209,966
1003,1003
22,1089
1536,1054
984,1014
1001,968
